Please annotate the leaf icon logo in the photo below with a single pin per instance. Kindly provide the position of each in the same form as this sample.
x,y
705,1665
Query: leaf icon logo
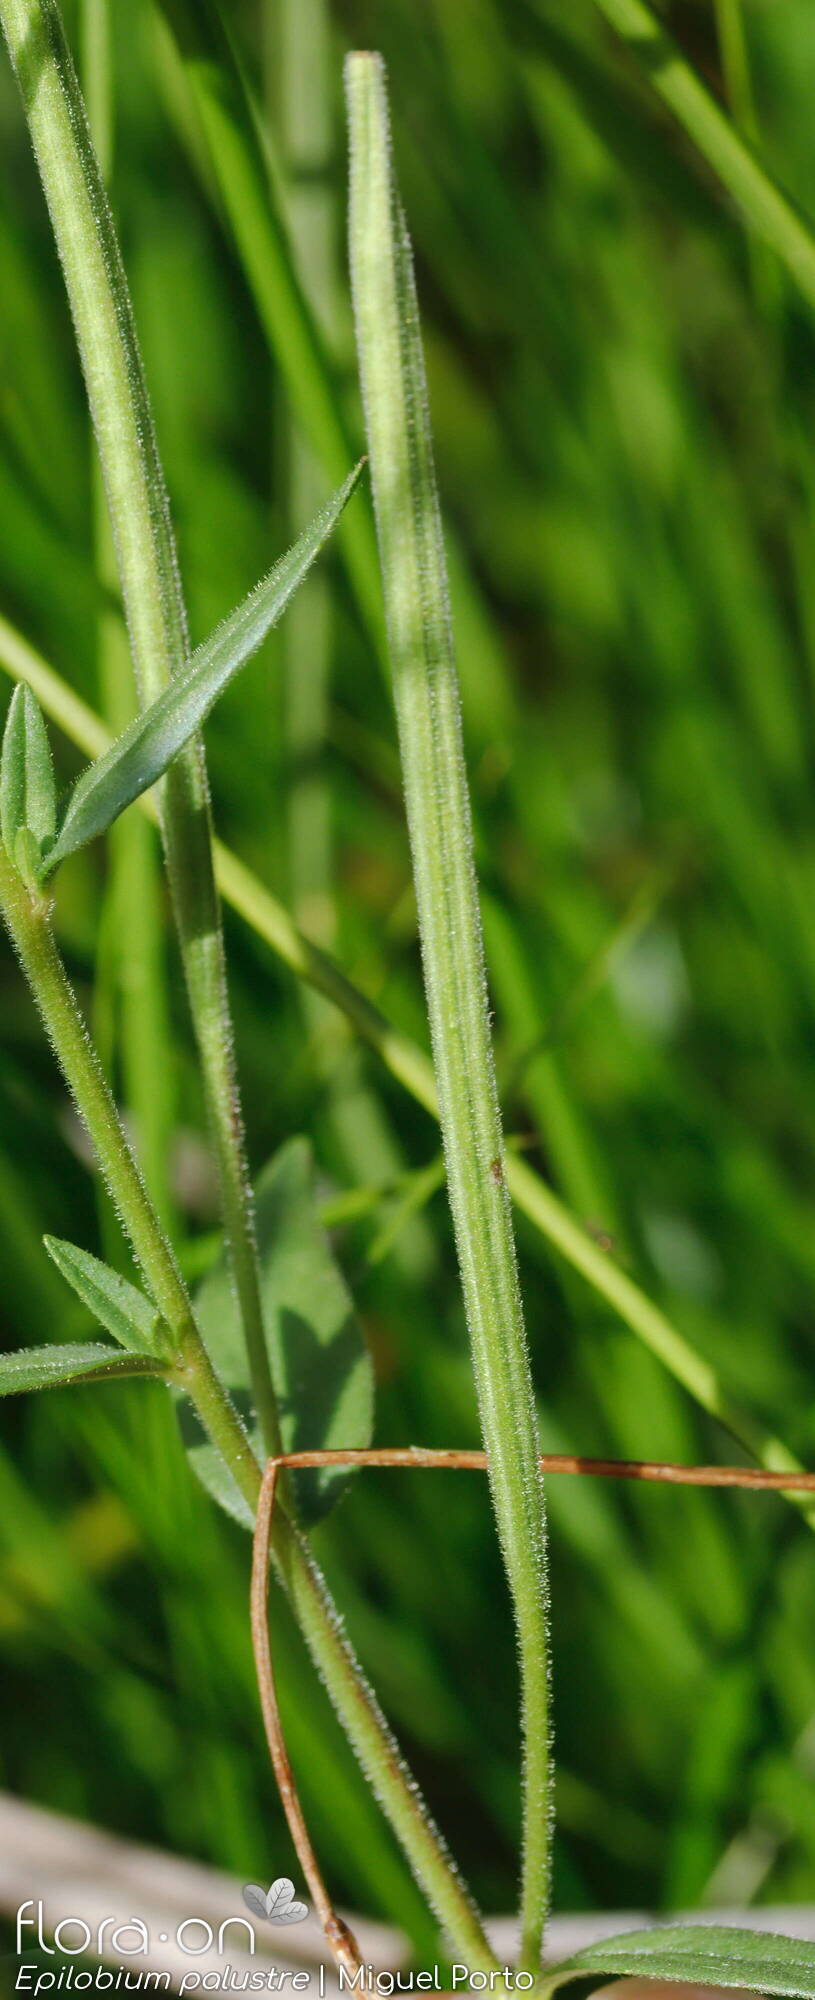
x,y
277,1905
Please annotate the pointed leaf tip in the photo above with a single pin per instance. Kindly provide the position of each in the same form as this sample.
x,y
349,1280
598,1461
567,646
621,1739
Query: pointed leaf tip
x,y
119,1307
144,751
28,799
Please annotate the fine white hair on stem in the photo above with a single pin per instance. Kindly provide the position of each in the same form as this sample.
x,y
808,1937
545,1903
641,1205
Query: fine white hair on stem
x,y
438,810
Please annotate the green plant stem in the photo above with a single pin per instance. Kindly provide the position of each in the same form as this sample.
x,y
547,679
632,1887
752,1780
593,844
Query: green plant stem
x,y
130,957
764,206
27,919
410,1066
427,706
353,1699
148,571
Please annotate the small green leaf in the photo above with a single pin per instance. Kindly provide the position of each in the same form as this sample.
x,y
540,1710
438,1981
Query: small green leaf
x,y
713,1954
51,1367
320,1364
148,746
119,1307
28,800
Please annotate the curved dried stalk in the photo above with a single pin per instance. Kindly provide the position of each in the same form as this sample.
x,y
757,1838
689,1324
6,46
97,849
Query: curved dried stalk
x,y
341,1940
409,1458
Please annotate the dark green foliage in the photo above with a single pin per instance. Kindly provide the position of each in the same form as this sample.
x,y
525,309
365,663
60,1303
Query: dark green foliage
x,y
320,1364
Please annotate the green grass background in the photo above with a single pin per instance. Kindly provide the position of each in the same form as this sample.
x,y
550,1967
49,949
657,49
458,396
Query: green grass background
x,y
622,391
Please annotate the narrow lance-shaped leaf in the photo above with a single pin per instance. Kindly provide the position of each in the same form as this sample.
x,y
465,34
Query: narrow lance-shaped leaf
x,y
409,1065
119,1307
148,746
711,1953
438,808
54,1367
28,801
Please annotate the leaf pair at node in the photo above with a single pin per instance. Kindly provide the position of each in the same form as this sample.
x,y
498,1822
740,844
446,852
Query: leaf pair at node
x,y
37,831
119,1307
320,1364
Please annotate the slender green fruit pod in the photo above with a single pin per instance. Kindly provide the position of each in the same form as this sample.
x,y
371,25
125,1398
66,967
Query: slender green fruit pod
x,y
28,799
427,705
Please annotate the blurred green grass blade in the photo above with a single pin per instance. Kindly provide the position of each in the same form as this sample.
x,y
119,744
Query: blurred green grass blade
x,y
566,1140
156,736
732,38
51,1367
764,206
239,156
704,1952
73,715
34,1298
412,1067
119,1306
231,126
414,575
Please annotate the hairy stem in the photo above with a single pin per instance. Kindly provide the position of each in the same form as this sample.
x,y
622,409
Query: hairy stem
x,y
27,918
129,987
148,572
409,1065
427,707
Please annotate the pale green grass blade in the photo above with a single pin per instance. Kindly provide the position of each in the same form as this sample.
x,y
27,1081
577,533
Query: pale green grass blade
x,y
764,206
